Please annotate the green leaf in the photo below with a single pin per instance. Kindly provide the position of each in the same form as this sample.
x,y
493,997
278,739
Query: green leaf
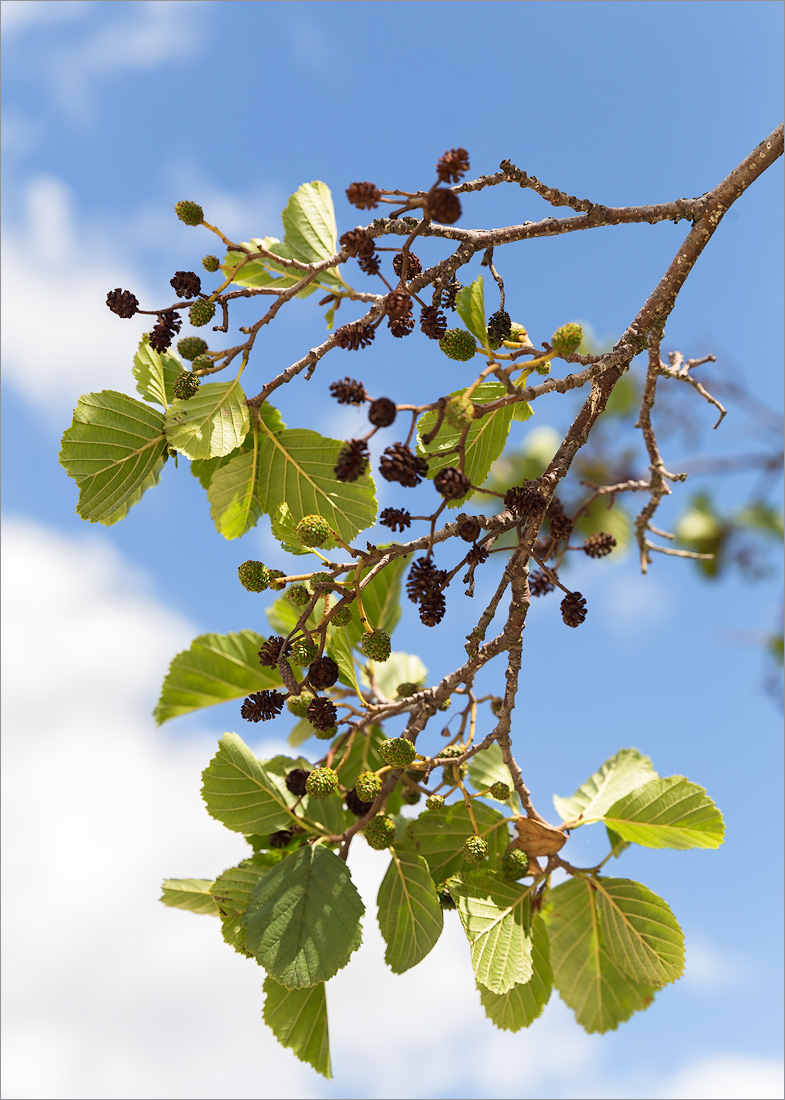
x,y
640,931
309,223
496,917
210,424
439,835
298,467
521,1005
192,894
485,439
410,916
298,1020
234,504
363,755
155,373
149,482
299,732
668,813
215,669
470,307
205,468
620,774
487,768
283,616
304,919
112,449
340,649
240,794
585,971
232,894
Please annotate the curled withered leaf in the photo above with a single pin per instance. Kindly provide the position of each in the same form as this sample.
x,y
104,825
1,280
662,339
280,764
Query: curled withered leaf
x,y
538,838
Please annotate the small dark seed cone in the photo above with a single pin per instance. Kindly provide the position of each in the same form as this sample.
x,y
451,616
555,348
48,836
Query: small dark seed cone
x,y
358,242
271,651
261,706
413,265
122,302
573,609
399,464
599,544
352,460
354,336
397,519
186,284
295,781
452,165
365,195
323,673
356,804
561,526
321,714
444,206
348,392
540,584
468,527
451,483
382,412
401,326
432,322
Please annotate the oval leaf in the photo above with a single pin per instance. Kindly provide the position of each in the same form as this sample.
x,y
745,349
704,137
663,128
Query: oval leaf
x,y
620,774
668,813
111,450
298,1020
496,917
640,931
298,467
215,669
410,916
192,894
239,793
521,1005
304,919
585,971
211,423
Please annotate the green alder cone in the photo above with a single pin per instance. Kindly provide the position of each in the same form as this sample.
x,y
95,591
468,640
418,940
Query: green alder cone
x,y
458,344
380,832
398,752
189,212
322,782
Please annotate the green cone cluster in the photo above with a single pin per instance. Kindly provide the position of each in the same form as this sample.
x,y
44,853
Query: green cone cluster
x,y
342,617
321,783
376,646
298,594
298,705
459,412
398,752
368,785
567,339
458,344
515,864
191,346
475,849
435,802
303,651
189,212
500,791
185,386
254,576
201,313
380,832
313,531
210,263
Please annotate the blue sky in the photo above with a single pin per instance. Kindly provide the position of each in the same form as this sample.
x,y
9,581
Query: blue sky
x,y
113,112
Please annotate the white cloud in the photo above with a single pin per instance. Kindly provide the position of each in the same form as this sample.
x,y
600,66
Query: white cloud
x,y
60,340
19,15
727,1077
709,968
